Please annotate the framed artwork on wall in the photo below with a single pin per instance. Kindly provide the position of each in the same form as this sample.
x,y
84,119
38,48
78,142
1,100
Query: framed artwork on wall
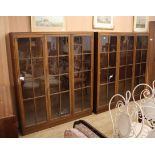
x,y
140,23
103,22
47,23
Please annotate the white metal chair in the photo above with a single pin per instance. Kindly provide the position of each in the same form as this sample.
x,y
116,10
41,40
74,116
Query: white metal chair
x,y
127,118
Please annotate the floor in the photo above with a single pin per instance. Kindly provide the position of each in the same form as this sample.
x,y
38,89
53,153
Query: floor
x,y
100,121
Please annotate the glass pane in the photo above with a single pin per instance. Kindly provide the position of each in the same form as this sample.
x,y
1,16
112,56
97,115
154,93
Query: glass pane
x,y
63,45
138,56
121,89
142,79
142,42
77,40
52,46
103,95
128,84
143,68
25,68
87,62
27,88
144,55
53,66
87,98
65,103
130,42
87,44
123,43
77,49
55,105
54,84
113,44
122,73
24,48
63,65
64,82
41,109
29,111
104,76
111,75
78,80
38,68
111,90
139,80
122,58
129,72
86,78
112,59
129,57
78,100
77,63
39,87
137,69
104,60
36,47
104,43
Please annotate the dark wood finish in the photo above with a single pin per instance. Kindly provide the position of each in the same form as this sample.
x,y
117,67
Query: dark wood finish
x,y
120,61
45,63
8,127
151,57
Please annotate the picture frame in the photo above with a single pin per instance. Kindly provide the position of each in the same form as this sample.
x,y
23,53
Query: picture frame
x,y
140,24
103,22
47,23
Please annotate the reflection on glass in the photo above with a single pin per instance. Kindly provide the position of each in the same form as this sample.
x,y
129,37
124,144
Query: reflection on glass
x,y
63,45
130,42
65,103
122,73
52,46
25,67
53,66
39,87
55,105
77,49
129,57
111,75
87,44
41,109
113,44
63,65
24,48
36,47
38,68
138,56
123,43
78,40
142,42
104,43
103,76
86,98
27,88
29,111
144,55
112,59
122,58
104,60
78,80
54,84
103,94
77,63
129,72
64,82
78,100
87,62
86,78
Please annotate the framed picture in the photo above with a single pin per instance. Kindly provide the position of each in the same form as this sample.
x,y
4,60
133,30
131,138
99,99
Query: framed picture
x,y
140,23
103,22
47,23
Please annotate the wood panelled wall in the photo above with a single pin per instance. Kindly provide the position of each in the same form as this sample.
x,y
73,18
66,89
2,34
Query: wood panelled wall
x,y
22,24
8,24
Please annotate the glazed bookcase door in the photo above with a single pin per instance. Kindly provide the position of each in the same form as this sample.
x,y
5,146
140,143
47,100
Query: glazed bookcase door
x,y
58,53
126,63
31,79
107,68
140,61
82,72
